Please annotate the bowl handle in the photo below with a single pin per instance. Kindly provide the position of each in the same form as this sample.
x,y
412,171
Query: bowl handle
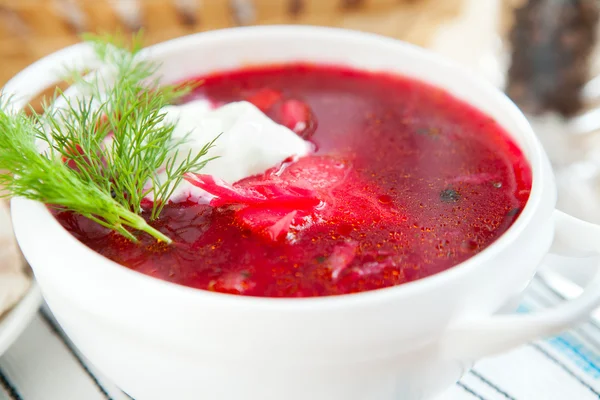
x,y
575,241
46,72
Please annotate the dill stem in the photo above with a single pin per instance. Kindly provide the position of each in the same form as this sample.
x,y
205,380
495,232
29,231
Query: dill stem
x,y
155,233
137,222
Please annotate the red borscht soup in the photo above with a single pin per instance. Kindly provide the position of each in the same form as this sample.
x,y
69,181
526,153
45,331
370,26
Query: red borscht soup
x,y
405,181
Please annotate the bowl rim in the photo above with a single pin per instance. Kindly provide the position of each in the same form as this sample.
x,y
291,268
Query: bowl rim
x,y
535,155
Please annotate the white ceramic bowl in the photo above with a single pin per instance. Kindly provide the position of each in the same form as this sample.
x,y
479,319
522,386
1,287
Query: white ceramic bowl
x,y
159,341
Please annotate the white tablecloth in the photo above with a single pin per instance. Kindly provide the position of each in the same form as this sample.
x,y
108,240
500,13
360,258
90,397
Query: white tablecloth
x,y
43,365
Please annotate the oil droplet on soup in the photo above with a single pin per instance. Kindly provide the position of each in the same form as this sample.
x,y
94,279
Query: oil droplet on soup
x,y
409,182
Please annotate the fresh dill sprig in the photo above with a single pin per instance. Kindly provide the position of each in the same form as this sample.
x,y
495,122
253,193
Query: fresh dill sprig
x,y
103,149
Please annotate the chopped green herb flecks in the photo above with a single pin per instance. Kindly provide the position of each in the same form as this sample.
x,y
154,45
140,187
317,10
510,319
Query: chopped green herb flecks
x,y
449,196
513,212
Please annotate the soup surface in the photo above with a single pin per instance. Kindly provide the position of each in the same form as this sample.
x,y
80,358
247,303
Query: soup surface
x,y
406,181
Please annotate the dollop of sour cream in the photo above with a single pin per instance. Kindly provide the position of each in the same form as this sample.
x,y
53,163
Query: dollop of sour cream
x,y
249,143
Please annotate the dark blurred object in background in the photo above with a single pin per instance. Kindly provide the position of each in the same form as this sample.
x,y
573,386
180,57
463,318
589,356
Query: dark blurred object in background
x,y
552,44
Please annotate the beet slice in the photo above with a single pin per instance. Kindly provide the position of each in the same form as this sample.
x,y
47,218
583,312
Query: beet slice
x,y
238,282
296,115
341,257
265,99
263,194
272,224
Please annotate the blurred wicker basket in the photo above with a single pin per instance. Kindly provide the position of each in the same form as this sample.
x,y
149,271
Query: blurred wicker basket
x,y
30,29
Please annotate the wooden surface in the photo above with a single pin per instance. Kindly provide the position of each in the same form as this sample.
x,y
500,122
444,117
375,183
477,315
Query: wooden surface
x,y
30,29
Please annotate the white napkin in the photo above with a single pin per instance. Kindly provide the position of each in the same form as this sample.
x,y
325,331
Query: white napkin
x,y
14,281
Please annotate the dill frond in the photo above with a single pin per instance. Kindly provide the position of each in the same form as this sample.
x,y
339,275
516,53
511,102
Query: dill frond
x,y
103,148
